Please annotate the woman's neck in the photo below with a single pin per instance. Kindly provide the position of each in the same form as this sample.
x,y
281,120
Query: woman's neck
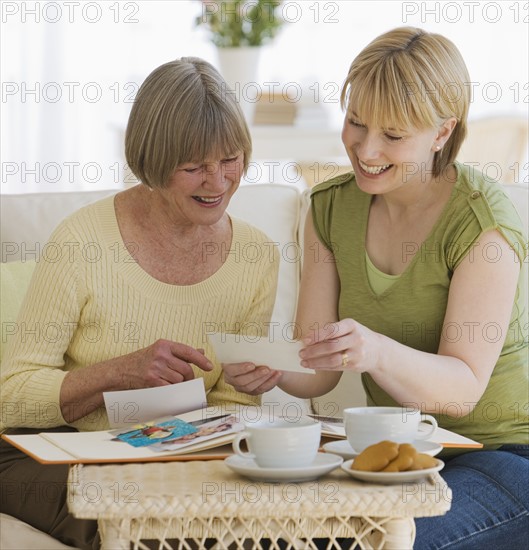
x,y
418,197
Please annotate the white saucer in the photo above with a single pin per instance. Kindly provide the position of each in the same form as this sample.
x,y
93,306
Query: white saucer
x,y
343,449
322,464
391,477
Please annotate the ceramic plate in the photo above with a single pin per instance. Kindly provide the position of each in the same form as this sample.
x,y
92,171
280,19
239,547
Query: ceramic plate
x,y
391,477
323,464
343,449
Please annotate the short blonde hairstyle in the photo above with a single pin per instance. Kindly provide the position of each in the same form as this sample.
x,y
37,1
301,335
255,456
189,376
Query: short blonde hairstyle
x,y
183,112
408,77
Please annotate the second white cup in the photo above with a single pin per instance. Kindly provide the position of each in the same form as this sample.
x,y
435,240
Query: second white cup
x,y
365,426
280,443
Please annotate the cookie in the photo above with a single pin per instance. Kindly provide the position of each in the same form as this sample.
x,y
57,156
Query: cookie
x,y
376,457
422,461
404,460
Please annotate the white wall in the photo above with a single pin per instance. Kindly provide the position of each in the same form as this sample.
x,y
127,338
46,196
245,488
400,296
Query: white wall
x,y
70,69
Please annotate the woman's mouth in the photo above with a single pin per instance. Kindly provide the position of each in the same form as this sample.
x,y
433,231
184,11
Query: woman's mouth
x,y
374,170
208,201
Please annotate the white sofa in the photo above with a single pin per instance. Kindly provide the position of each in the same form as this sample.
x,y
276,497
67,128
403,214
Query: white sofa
x,y
28,220
279,210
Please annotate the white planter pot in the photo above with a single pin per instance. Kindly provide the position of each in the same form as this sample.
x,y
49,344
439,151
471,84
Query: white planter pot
x,y
239,66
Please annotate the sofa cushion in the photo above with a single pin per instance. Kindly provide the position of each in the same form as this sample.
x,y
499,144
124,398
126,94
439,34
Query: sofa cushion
x,y
17,535
278,210
275,209
29,219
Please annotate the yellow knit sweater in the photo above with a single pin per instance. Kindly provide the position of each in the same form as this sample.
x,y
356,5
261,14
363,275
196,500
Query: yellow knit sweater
x,y
89,301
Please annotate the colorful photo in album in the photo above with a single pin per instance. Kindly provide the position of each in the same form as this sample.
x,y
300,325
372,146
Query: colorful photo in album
x,y
208,429
156,431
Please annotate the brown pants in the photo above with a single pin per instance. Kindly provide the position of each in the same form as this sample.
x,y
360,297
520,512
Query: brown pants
x,y
36,493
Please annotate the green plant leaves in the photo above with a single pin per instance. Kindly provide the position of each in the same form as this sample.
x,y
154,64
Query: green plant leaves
x,y
234,24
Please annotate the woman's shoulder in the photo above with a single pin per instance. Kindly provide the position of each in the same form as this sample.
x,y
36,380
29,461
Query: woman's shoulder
x,y
481,204
486,199
333,183
86,223
91,211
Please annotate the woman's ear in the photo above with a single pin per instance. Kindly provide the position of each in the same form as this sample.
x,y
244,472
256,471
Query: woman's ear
x,y
446,129
444,133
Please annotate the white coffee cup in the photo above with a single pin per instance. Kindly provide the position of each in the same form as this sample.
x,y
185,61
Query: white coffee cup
x,y
365,426
280,442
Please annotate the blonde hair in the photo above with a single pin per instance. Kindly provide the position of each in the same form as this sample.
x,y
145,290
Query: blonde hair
x,y
183,112
408,77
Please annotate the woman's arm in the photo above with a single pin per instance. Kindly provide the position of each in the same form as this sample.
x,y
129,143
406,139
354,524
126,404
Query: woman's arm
x,y
480,303
317,307
40,393
480,298
317,311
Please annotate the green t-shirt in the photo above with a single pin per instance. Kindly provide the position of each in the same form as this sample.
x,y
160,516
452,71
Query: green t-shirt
x,y
411,311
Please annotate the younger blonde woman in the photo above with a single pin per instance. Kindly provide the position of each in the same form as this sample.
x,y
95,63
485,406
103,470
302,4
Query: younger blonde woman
x,y
426,293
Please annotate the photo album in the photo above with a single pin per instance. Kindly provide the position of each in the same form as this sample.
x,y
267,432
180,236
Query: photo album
x,y
194,434
151,424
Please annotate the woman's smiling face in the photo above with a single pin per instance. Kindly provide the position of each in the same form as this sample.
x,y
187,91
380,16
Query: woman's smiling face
x,y
386,158
199,193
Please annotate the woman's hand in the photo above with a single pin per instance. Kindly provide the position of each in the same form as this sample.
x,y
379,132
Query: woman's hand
x,y
249,378
345,345
160,364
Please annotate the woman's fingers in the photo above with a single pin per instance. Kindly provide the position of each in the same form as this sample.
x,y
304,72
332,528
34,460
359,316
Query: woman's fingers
x,y
341,360
177,367
163,362
190,355
329,332
269,383
249,378
331,346
353,347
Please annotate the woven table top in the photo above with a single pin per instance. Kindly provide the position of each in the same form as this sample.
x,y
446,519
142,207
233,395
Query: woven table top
x,y
205,489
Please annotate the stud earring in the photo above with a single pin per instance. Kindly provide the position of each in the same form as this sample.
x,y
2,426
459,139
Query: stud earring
x,y
437,147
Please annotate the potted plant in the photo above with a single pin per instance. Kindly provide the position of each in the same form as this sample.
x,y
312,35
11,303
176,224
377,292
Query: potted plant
x,y
238,29
240,23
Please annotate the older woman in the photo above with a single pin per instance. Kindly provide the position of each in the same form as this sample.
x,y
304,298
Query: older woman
x,y
426,293
163,269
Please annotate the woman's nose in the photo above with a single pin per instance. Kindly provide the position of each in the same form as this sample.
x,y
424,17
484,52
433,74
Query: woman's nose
x,y
368,147
214,174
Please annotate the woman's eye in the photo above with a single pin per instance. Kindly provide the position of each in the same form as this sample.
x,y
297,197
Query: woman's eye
x,y
356,124
393,138
231,159
192,170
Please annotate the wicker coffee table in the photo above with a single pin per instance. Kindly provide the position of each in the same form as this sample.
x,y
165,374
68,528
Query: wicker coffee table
x,y
203,504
